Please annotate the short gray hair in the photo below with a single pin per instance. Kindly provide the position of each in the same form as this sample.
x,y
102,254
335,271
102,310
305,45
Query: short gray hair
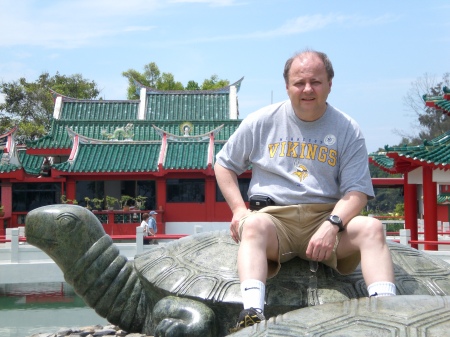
x,y
326,62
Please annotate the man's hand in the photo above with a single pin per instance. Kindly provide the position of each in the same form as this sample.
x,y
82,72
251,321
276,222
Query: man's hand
x,y
234,226
322,242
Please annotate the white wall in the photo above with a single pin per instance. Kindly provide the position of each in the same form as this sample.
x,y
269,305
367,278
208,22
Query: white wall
x,y
195,227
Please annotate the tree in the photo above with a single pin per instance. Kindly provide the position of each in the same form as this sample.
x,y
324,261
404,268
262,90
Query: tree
x,y
152,77
152,74
192,85
167,82
30,104
432,122
214,83
386,199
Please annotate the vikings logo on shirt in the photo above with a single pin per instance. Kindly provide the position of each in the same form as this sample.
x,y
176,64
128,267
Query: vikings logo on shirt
x,y
301,172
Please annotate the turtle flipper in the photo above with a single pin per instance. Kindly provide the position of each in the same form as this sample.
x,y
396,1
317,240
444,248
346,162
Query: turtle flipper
x,y
175,316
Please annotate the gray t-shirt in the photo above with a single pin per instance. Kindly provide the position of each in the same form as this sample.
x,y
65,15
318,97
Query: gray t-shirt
x,y
297,162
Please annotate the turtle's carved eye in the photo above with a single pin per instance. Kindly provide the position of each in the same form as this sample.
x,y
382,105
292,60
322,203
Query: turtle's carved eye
x,y
67,221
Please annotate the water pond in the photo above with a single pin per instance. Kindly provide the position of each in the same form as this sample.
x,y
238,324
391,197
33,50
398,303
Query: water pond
x,y
26,309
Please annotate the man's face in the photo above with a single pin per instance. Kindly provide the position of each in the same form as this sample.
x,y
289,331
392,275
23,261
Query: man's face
x,y
308,87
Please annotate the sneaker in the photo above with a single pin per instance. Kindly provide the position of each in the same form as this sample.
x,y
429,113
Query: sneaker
x,y
249,317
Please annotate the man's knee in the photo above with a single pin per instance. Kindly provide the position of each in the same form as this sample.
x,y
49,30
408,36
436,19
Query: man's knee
x,y
257,225
373,229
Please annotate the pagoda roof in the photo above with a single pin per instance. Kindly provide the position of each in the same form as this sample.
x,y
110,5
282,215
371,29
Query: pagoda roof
x,y
92,110
401,159
441,102
115,157
126,156
434,153
183,106
443,199
31,164
8,168
59,137
163,130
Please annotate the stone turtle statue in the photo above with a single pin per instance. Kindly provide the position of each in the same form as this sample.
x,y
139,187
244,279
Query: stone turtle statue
x,y
190,287
406,316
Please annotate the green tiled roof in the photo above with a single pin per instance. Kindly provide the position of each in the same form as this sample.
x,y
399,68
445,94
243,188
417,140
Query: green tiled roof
x,y
380,160
395,159
31,164
6,168
439,102
444,105
90,110
205,111
181,106
188,155
114,157
443,198
143,131
436,151
217,148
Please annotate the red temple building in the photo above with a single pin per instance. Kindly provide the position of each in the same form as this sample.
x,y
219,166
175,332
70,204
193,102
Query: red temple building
x,y
426,177
160,147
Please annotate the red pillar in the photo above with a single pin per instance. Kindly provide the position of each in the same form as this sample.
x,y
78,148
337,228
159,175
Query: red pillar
x,y
71,189
430,208
161,197
7,198
410,199
210,197
6,191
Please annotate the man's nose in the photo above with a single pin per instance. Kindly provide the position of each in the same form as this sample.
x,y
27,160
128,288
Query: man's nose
x,y
308,87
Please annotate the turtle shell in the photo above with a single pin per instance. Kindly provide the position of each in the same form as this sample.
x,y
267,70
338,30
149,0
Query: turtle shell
x,y
203,267
408,316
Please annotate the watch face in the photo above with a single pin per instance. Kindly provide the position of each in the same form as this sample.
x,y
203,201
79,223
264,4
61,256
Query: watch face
x,y
335,218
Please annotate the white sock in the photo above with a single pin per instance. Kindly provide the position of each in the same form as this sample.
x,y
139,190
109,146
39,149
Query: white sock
x,y
253,293
381,289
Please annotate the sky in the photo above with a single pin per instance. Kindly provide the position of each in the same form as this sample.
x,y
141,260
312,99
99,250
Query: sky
x,y
378,48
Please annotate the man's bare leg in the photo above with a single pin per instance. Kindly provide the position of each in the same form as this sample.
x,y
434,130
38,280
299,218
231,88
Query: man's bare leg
x,y
367,235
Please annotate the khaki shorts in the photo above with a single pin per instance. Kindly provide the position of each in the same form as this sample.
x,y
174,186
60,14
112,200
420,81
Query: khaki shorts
x,y
295,225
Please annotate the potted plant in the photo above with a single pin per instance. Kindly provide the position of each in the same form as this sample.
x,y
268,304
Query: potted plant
x,y
140,201
124,202
88,200
111,202
64,200
97,203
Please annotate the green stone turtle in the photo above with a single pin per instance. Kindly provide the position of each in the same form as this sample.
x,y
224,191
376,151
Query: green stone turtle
x,y
190,287
395,316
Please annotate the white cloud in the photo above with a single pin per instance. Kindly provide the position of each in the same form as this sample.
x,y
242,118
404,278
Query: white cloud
x,y
298,25
69,24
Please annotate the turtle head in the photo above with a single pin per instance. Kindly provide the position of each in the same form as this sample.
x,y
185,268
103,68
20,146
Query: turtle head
x,y
64,232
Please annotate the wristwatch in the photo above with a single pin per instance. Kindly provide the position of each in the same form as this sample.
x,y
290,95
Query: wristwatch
x,y
336,220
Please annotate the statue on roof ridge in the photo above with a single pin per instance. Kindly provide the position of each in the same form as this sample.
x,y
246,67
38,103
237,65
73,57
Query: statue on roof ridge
x,y
123,132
